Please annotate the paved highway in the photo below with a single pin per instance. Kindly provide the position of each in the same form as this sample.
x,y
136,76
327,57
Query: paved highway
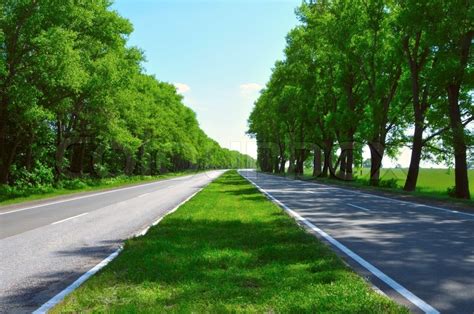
x,y
419,255
46,246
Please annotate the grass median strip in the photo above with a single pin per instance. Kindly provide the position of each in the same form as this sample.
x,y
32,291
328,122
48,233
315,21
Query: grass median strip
x,y
228,249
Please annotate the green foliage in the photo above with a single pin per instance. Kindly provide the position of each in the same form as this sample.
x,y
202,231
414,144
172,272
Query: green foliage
x,y
76,103
20,193
377,73
389,183
74,184
39,176
451,191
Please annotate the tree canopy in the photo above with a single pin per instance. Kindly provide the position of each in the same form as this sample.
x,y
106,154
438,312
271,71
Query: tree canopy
x,y
75,100
383,73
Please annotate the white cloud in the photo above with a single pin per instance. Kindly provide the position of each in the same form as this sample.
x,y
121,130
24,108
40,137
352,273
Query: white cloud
x,y
250,89
182,88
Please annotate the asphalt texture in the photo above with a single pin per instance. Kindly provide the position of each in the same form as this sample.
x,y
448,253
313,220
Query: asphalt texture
x,y
46,246
427,250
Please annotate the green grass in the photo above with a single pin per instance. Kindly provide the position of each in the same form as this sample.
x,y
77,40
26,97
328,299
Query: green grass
x,y
9,196
431,182
228,249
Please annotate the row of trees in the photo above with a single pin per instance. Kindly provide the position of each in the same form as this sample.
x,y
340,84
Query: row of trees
x,y
74,99
382,73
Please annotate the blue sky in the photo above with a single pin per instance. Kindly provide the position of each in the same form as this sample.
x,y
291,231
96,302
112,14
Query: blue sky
x,y
219,54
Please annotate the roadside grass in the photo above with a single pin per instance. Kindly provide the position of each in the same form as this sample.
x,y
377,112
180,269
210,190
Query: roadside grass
x,y
9,196
429,180
228,249
432,183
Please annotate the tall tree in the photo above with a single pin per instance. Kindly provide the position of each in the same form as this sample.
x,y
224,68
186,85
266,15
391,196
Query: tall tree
x,y
455,73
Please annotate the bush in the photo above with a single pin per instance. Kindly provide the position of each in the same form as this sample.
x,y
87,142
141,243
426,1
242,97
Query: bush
x,y
451,191
101,170
390,183
75,184
7,192
40,176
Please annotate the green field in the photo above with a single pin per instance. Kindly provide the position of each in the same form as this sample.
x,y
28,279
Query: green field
x,y
227,250
429,180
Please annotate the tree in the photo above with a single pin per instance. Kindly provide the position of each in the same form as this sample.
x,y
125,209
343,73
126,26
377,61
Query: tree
x,y
74,99
455,71
369,72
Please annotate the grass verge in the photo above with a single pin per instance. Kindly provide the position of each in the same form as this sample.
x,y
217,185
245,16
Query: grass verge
x,y
432,183
80,186
228,249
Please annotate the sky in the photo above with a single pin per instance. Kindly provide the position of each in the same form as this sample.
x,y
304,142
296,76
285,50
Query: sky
x,y
219,54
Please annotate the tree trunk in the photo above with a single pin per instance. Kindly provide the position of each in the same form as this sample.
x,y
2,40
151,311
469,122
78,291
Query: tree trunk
x,y
416,63
413,170
282,164
77,163
9,156
317,162
153,164
459,144
140,168
342,164
376,157
349,162
300,162
130,164
327,161
29,153
61,147
276,164
291,166
4,165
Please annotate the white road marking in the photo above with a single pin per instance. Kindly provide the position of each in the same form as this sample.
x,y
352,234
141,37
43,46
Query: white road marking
x,y
415,204
157,221
363,208
388,198
93,195
425,307
60,221
60,296
143,195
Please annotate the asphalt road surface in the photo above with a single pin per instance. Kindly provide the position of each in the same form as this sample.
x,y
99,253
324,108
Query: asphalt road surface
x,y
47,246
421,256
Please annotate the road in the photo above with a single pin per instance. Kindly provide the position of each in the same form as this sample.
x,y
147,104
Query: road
x,y
414,253
46,247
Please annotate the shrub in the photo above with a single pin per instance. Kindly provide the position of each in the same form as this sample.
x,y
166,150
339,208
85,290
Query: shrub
x,y
40,176
102,170
389,183
74,184
451,191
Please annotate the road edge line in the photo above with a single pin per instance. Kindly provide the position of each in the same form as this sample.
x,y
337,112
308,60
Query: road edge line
x,y
67,219
93,194
452,211
61,295
157,221
412,298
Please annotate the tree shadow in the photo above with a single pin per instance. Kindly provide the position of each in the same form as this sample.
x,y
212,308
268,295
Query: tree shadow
x,y
429,251
259,265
